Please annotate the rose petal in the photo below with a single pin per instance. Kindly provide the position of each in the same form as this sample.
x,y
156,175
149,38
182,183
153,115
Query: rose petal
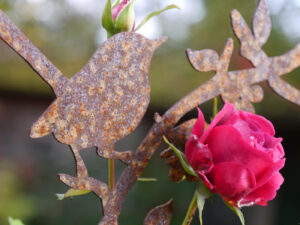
x,y
232,180
198,155
270,172
199,125
220,118
266,192
259,136
241,125
205,181
280,149
273,147
227,145
190,147
265,125
118,8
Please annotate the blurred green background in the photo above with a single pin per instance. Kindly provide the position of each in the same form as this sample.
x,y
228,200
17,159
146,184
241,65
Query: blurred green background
x,y
68,32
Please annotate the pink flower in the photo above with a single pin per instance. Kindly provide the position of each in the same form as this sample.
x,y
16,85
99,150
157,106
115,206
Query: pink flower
x,y
117,9
237,156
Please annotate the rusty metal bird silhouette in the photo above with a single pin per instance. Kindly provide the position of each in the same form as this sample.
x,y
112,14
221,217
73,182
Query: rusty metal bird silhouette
x,y
99,105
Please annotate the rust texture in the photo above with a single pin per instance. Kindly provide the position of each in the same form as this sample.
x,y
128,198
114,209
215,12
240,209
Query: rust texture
x,y
106,100
160,215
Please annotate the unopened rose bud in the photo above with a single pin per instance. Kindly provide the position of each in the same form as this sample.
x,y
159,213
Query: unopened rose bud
x,y
119,17
117,7
123,16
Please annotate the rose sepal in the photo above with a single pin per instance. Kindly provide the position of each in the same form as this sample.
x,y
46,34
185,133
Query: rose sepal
x,y
237,211
116,3
203,193
156,13
107,19
183,161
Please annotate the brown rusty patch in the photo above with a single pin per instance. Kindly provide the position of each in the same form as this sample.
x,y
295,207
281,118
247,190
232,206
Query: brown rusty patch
x,y
17,46
91,91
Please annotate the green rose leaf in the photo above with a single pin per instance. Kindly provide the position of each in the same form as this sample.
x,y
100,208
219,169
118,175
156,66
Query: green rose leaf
x,y
72,192
147,179
183,161
237,211
12,221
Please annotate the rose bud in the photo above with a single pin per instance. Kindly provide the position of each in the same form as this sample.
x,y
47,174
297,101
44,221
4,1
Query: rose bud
x,y
119,17
237,156
123,15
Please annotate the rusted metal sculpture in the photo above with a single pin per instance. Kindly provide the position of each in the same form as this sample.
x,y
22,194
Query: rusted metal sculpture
x,y
160,215
106,100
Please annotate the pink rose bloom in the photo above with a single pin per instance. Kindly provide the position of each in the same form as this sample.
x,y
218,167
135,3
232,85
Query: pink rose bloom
x,y
237,156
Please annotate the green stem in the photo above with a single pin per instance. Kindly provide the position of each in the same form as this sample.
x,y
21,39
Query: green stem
x,y
215,110
191,211
111,162
111,173
109,35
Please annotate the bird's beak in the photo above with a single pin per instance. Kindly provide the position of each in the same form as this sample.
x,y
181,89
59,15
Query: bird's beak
x,y
158,42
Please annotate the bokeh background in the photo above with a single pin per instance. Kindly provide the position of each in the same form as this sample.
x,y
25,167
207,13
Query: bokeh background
x,y
68,32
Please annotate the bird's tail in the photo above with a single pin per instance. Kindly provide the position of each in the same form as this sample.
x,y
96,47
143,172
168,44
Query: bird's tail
x,y
43,125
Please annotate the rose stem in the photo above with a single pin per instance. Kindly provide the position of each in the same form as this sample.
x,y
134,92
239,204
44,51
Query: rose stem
x,y
191,211
215,108
111,173
111,162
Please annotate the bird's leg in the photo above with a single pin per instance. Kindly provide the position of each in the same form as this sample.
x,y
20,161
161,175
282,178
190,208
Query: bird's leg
x,y
125,157
107,150
81,170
